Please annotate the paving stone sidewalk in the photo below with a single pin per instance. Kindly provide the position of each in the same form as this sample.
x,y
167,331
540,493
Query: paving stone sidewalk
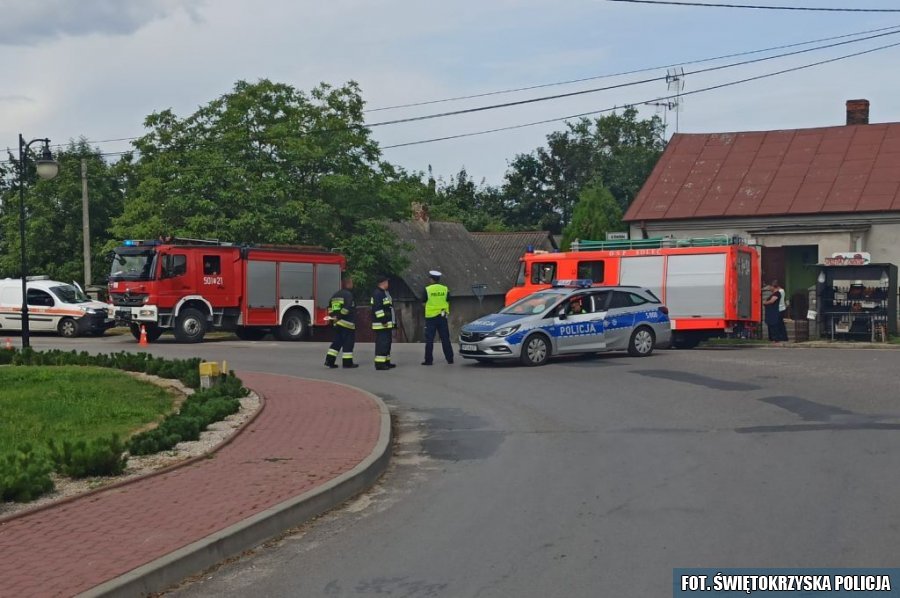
x,y
308,433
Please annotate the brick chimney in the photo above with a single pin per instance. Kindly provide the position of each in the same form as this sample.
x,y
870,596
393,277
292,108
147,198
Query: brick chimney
x,y
857,112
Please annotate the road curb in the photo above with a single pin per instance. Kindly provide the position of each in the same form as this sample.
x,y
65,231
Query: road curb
x,y
171,569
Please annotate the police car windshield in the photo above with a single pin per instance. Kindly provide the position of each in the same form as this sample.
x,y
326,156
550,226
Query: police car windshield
x,y
132,265
537,303
69,294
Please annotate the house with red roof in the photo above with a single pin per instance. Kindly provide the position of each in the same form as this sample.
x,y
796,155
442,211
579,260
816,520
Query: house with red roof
x,y
800,194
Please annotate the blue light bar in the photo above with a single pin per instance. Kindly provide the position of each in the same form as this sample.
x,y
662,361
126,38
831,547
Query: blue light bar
x,y
581,283
138,243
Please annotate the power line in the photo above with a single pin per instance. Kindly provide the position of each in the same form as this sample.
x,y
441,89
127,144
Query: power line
x,y
894,31
631,72
618,85
604,110
756,6
889,31
696,91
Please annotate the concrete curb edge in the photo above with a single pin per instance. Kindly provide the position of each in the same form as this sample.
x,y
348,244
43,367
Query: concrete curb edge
x,y
172,568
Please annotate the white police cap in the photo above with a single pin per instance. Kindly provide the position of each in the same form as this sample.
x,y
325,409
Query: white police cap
x,y
434,273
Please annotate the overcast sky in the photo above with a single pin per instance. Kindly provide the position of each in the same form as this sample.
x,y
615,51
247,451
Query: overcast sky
x,y
97,68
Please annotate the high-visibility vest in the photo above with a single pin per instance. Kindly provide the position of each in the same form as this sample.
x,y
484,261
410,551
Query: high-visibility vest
x,y
437,300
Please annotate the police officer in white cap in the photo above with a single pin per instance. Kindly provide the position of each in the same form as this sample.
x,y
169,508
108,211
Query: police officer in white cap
x,y
437,310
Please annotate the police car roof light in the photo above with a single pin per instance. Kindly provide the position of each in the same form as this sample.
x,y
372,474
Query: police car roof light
x,y
582,283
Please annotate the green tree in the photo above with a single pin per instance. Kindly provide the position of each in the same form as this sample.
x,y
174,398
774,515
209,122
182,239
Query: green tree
x,y
596,213
542,187
267,163
53,239
372,251
477,207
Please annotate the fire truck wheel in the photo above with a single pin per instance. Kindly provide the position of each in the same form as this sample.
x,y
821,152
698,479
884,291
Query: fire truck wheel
x,y
190,326
535,350
294,326
641,342
68,328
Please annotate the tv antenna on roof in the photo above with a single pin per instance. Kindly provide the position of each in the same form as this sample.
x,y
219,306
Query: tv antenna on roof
x,y
675,82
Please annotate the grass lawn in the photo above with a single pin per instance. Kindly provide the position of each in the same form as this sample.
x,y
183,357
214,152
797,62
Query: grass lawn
x,y
73,403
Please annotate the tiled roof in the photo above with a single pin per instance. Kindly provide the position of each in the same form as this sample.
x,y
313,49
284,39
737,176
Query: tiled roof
x,y
772,173
449,248
506,249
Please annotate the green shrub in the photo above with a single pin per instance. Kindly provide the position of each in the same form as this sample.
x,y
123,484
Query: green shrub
x,y
147,443
198,411
24,475
98,457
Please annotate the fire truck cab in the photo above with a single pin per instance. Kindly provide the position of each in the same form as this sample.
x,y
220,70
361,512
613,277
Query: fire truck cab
x,y
191,287
711,286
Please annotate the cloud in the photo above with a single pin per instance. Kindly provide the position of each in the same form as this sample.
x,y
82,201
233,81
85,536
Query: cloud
x,y
31,23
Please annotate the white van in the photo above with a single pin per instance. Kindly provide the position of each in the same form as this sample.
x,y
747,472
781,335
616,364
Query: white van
x,y
52,306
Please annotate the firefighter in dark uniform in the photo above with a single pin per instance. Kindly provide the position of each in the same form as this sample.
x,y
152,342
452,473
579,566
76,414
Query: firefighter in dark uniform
x,y
437,311
341,311
382,323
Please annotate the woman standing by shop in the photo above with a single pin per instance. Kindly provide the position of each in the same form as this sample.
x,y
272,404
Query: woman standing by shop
x,y
774,318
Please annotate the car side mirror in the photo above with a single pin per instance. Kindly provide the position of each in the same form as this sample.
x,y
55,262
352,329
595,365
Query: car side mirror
x,y
561,314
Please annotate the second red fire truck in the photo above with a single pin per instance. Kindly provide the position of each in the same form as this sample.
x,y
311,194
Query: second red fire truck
x,y
192,287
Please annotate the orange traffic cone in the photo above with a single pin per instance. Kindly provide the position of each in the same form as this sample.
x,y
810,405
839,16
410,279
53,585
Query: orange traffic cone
x,y
143,342
8,346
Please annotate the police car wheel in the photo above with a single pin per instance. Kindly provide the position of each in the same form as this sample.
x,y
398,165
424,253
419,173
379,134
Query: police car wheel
x,y
68,328
641,342
535,350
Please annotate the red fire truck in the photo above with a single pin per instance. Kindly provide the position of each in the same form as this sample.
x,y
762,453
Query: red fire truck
x,y
710,285
191,287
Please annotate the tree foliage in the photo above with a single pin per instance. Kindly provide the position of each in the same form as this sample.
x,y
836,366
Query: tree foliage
x,y
543,186
461,199
266,163
596,213
53,220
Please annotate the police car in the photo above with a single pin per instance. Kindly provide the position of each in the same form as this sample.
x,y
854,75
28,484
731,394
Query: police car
x,y
571,317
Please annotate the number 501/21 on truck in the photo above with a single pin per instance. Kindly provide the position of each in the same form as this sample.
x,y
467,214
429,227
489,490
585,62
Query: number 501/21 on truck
x,y
191,287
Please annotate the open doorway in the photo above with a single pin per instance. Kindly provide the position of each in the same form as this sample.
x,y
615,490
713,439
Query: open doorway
x,y
800,274
794,267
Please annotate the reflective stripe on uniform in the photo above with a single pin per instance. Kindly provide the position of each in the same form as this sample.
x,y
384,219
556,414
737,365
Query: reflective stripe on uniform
x,y
332,352
348,356
379,313
380,359
345,324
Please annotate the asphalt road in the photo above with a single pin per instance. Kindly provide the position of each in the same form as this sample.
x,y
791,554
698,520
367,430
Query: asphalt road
x,y
590,477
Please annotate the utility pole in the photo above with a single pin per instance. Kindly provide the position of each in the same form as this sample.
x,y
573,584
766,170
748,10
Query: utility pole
x,y
85,225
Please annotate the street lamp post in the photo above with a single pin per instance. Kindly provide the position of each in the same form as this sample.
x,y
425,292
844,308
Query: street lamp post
x,y
47,168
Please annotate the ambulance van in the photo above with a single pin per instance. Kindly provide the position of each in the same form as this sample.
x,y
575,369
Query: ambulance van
x,y
53,306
